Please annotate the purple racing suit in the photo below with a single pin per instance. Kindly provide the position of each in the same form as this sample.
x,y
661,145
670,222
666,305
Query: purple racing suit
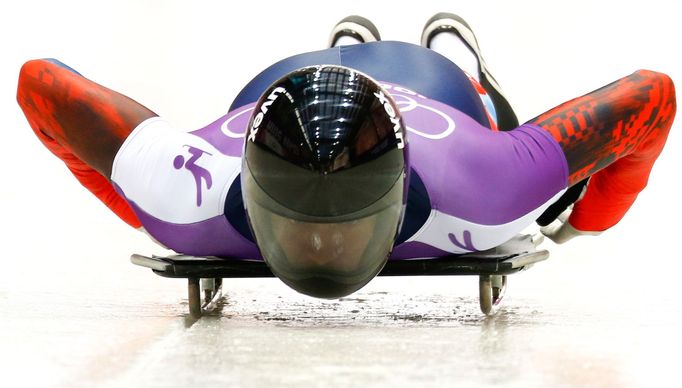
x,y
471,188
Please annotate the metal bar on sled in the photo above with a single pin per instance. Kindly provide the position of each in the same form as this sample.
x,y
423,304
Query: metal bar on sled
x,y
513,256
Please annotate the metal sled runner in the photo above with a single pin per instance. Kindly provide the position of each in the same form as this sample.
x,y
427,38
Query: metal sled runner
x,y
492,266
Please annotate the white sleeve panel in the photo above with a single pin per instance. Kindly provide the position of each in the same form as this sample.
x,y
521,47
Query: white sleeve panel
x,y
174,176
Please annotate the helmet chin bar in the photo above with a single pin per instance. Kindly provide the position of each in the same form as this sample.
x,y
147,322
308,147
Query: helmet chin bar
x,y
323,286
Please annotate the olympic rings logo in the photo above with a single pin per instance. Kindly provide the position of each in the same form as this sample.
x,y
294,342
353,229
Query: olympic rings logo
x,y
415,113
409,106
242,123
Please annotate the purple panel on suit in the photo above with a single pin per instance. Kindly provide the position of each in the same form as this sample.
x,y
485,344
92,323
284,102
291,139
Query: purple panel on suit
x,y
412,249
479,175
227,133
212,237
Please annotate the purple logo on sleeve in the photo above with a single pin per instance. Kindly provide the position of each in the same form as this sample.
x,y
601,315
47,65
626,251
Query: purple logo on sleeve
x,y
197,171
468,244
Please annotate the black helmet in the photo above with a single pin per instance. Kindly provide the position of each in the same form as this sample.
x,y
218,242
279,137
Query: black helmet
x,y
324,179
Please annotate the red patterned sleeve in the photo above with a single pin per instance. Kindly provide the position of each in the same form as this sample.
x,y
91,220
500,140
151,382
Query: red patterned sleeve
x,y
612,135
82,123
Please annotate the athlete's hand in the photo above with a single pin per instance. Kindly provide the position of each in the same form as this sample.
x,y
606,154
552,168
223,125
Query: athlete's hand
x,y
561,230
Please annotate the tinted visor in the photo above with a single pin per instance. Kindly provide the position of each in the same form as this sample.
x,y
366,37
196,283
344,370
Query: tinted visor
x,y
305,193
325,257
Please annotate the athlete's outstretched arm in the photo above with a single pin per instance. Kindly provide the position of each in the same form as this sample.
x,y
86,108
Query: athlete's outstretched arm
x,y
81,122
612,135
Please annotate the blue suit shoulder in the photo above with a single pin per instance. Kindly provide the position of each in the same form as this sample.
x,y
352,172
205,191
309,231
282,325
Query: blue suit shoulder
x,y
405,64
